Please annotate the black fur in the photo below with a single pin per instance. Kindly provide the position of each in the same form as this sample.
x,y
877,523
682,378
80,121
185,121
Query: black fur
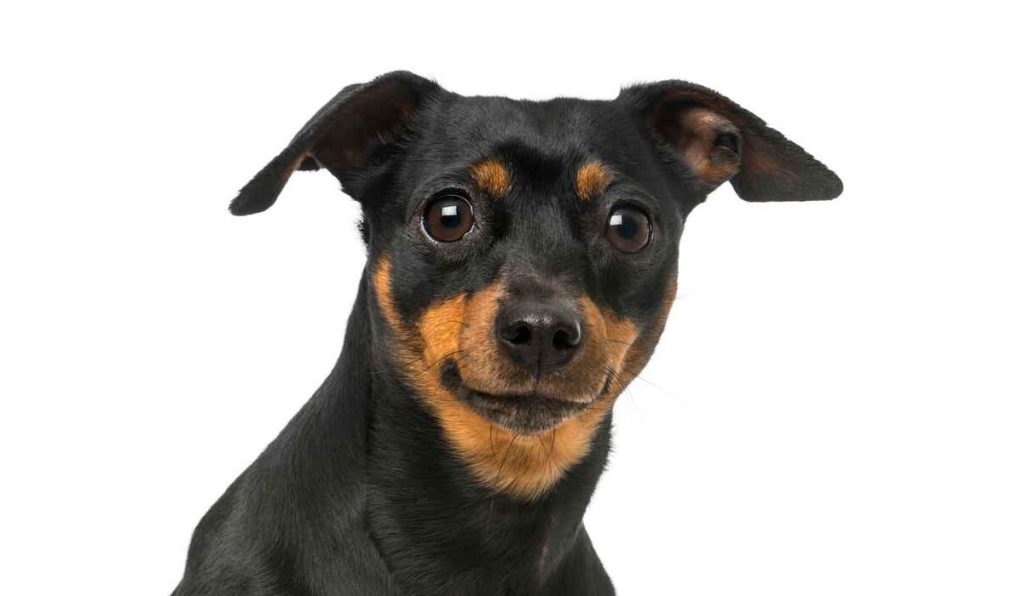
x,y
361,493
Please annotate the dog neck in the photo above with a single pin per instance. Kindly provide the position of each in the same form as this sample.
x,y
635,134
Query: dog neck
x,y
432,521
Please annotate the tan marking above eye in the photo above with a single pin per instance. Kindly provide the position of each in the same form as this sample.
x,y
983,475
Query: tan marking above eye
x,y
458,328
592,179
492,177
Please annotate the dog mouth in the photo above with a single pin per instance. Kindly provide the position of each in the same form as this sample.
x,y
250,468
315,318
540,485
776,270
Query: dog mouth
x,y
524,413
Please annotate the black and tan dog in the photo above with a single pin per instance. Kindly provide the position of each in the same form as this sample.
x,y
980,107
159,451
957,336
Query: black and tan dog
x,y
522,263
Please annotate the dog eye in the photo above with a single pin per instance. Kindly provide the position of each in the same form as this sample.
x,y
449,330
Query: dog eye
x,y
629,229
448,217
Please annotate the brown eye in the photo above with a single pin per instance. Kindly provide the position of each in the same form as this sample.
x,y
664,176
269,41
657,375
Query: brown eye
x,y
448,217
629,229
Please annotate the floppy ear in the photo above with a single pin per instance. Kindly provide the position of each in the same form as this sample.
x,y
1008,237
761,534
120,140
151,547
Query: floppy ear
x,y
353,132
718,140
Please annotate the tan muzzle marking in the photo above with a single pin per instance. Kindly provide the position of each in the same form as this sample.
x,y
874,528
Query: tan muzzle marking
x,y
522,466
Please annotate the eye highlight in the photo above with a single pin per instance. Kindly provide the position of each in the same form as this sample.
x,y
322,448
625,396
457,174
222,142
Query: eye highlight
x,y
629,229
448,217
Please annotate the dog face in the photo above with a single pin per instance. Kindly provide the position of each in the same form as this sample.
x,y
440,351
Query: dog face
x,y
523,254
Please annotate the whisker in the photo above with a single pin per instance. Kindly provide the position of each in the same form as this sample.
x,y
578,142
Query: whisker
x,y
490,439
631,396
443,358
551,449
654,385
497,476
616,341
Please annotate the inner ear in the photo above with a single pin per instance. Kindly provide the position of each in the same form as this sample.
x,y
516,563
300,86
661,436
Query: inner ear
x,y
709,143
719,140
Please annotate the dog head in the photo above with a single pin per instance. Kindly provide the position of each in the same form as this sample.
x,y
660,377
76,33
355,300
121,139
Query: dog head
x,y
523,254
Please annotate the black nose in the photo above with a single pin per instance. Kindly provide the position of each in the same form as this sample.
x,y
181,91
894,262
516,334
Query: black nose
x,y
539,336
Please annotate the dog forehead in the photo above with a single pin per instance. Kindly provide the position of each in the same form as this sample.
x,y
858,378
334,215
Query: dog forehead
x,y
467,128
522,146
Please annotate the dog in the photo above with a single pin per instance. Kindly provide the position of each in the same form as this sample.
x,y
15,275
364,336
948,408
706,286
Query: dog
x,y
522,260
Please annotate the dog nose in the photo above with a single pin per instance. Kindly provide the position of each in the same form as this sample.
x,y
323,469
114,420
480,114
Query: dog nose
x,y
538,335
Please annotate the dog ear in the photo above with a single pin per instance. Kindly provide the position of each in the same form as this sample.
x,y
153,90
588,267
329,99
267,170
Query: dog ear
x,y
357,129
718,140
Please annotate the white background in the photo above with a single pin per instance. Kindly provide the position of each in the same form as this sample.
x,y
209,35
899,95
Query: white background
x,y
836,406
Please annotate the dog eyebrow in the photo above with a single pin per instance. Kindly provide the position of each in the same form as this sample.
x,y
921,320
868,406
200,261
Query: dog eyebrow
x,y
592,179
492,177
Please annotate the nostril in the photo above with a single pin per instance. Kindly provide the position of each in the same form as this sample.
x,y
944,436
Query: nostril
x,y
561,340
566,338
517,333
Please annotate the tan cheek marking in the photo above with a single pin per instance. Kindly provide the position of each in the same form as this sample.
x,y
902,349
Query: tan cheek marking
x,y
616,334
405,348
439,327
483,366
522,466
591,180
492,177
382,289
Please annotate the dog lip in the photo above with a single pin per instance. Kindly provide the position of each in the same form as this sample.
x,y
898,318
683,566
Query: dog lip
x,y
521,413
531,396
529,412
526,399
